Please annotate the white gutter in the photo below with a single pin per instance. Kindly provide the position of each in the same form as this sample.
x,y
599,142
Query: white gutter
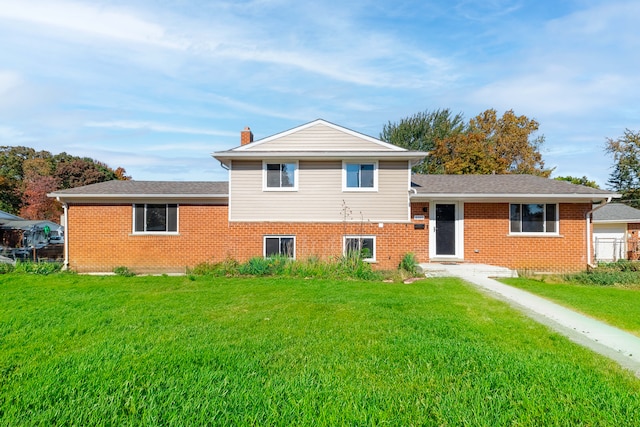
x,y
65,265
588,217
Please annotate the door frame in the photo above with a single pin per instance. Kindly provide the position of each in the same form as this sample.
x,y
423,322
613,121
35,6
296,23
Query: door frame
x,y
459,230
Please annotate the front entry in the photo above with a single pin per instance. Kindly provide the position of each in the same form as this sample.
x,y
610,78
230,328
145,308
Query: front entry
x,y
446,230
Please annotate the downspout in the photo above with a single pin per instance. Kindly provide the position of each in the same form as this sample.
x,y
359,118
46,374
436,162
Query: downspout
x,y
588,217
65,210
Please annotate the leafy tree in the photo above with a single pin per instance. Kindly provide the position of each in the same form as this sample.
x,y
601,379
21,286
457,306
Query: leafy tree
x,y
421,131
36,204
487,144
625,177
579,181
511,143
22,178
79,172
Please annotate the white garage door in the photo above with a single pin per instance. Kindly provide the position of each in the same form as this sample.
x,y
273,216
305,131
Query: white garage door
x,y
609,242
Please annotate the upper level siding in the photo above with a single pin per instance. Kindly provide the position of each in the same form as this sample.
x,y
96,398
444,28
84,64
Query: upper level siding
x,y
319,196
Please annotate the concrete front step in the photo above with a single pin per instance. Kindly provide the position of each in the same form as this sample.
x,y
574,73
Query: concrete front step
x,y
443,269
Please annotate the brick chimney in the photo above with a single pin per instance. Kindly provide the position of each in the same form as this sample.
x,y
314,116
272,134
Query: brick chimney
x,y
246,136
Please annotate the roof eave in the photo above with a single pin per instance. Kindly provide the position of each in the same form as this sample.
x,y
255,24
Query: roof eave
x,y
227,156
512,196
67,196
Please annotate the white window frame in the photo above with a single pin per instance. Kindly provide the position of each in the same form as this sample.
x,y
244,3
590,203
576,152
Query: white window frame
x,y
144,219
360,237
278,236
543,233
345,163
265,187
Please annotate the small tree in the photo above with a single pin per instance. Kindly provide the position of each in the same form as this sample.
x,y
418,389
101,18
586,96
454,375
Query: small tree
x,y
625,177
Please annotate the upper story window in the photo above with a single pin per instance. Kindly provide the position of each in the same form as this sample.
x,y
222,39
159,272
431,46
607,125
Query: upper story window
x,y
360,176
155,218
534,218
280,176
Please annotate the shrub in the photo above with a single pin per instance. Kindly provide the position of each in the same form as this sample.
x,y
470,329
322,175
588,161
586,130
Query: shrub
x,y
228,267
409,264
622,272
6,267
256,266
348,266
30,267
123,271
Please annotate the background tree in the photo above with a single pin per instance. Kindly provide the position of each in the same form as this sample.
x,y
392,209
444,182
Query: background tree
x,y
421,131
36,204
625,178
26,175
579,181
511,142
487,144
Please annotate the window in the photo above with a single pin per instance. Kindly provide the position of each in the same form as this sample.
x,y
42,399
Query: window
x,y
279,246
155,218
280,176
365,246
360,176
534,218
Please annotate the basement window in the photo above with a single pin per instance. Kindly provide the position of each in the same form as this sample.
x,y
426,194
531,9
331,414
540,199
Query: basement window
x,y
155,218
362,246
284,246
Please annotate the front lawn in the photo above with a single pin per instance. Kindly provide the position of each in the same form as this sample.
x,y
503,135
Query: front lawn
x,y
79,350
616,305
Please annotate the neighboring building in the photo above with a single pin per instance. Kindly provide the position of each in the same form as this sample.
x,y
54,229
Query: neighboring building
x,y
320,190
30,239
616,229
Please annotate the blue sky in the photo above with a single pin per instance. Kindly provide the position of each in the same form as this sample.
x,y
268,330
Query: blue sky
x,y
157,86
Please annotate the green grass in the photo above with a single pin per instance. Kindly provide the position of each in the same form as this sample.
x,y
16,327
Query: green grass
x,y
617,306
79,350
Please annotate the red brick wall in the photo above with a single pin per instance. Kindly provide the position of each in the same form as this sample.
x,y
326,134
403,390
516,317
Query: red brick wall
x,y
100,238
487,239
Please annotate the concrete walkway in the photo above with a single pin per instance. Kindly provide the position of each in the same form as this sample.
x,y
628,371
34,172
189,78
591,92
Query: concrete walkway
x,y
614,343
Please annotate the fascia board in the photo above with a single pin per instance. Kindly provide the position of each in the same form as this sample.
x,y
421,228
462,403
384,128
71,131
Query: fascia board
x,y
145,197
510,197
319,155
615,221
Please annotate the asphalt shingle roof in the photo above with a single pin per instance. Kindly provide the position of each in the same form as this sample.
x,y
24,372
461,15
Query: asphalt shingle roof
x,y
617,212
124,188
498,184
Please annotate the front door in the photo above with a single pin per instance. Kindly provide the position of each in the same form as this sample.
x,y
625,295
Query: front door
x,y
445,229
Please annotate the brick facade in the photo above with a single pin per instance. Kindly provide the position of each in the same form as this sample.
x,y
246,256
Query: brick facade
x,y
100,238
487,239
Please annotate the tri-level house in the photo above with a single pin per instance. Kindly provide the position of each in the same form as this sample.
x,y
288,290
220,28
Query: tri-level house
x,y
321,190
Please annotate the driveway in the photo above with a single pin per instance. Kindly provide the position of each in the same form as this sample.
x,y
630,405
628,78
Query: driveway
x,y
611,342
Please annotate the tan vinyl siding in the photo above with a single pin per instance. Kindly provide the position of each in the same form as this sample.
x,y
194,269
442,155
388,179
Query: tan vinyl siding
x,y
319,138
319,196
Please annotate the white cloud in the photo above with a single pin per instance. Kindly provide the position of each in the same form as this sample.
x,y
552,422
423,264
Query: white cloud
x,y
89,19
9,80
156,127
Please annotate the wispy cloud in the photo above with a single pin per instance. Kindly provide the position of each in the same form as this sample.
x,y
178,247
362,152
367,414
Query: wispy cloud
x,y
96,20
156,127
